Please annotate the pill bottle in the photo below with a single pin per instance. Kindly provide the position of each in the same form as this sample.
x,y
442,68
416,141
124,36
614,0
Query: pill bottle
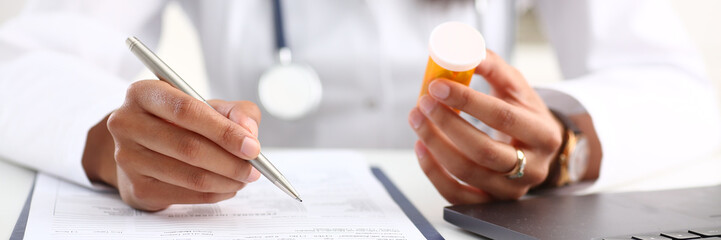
x,y
455,50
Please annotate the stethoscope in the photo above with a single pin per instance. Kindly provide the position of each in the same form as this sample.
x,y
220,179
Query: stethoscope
x,y
288,90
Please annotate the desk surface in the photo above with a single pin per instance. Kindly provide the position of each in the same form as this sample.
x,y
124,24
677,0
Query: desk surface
x,y
400,165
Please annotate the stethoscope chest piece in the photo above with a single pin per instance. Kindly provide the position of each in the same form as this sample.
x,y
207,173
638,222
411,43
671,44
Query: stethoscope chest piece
x,y
290,91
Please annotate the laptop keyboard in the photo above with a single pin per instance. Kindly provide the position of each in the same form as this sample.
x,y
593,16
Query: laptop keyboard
x,y
698,233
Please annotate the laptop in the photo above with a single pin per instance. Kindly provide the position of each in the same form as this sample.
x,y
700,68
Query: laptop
x,y
692,213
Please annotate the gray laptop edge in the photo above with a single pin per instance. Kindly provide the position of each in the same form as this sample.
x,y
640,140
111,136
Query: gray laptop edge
x,y
597,216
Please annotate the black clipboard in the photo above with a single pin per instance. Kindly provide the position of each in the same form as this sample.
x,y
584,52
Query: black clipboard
x,y
413,214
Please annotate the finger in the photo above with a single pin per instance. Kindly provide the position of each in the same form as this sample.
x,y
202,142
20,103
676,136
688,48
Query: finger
x,y
191,148
494,112
500,75
152,194
165,169
473,143
461,167
447,186
245,113
179,108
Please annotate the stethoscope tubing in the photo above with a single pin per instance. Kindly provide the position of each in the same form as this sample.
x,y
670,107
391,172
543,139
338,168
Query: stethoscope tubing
x,y
278,27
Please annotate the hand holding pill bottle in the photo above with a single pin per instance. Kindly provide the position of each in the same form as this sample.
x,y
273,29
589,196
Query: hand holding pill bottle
x,y
455,50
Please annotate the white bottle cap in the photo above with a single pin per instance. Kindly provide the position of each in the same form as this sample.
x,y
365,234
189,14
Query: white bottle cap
x,y
456,46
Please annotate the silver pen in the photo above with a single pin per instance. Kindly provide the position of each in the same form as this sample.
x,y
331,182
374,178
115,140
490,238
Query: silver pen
x,y
164,73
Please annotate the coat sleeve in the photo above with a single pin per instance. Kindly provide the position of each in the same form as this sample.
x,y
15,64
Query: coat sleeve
x,y
64,66
632,67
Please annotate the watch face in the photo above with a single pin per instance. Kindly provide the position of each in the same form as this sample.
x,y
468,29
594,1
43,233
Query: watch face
x,y
578,160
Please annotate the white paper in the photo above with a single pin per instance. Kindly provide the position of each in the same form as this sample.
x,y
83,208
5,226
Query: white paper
x,y
341,200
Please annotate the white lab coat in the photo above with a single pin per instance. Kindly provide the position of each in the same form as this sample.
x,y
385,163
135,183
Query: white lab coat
x,y
63,67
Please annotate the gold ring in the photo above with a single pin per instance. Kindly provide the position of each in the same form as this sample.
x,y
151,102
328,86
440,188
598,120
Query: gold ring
x,y
517,171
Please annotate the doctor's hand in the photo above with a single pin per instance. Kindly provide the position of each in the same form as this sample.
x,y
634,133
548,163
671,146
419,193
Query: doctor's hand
x,y
451,149
169,148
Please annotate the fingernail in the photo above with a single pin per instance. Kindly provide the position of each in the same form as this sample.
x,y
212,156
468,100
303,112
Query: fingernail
x,y
251,125
415,118
250,147
439,90
253,176
420,150
427,104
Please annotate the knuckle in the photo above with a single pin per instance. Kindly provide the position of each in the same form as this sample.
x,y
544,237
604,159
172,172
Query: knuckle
x,y
251,107
464,99
230,135
536,176
464,172
189,149
144,196
427,136
183,108
121,156
424,134
138,90
491,72
240,170
198,181
114,122
135,89
441,119
117,123
487,155
141,192
552,141
505,117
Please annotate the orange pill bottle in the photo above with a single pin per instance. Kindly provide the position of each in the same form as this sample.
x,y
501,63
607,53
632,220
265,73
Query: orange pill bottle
x,y
455,49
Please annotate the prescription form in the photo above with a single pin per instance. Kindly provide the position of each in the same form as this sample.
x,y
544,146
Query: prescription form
x,y
341,200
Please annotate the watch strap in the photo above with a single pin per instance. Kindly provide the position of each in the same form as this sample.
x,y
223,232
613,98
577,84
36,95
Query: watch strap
x,y
566,121
558,170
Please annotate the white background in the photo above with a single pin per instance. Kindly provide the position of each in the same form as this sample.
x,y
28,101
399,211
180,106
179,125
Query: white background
x,y
533,55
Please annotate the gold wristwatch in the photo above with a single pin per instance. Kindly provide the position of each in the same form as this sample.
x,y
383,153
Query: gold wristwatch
x,y
572,161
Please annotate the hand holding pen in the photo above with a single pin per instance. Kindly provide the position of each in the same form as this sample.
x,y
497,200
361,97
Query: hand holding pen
x,y
172,148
